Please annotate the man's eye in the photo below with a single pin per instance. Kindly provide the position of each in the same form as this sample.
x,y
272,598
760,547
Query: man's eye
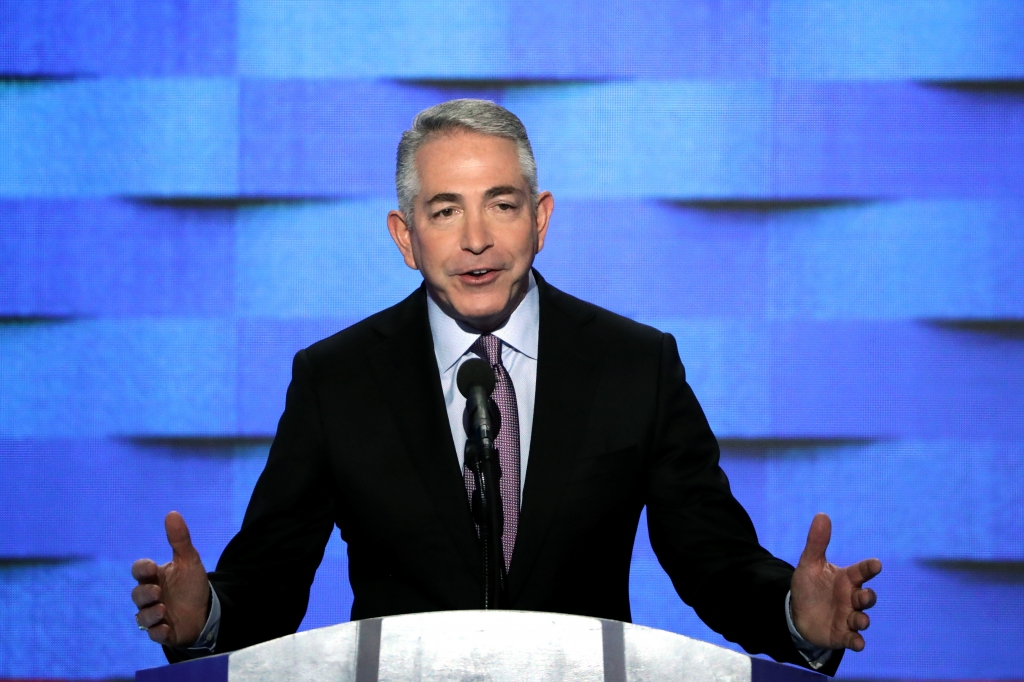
x,y
445,213
506,207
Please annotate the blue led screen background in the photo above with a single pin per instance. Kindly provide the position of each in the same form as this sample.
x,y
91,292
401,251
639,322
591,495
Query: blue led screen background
x,y
821,201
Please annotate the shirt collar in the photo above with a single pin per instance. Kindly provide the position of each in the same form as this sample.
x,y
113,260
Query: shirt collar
x,y
452,339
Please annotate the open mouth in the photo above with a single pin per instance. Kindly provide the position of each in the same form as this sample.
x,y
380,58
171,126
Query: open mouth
x,y
479,276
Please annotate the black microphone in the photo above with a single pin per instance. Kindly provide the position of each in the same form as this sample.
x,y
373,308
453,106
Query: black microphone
x,y
482,420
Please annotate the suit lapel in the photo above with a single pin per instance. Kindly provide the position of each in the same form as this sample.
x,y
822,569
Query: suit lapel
x,y
406,371
568,368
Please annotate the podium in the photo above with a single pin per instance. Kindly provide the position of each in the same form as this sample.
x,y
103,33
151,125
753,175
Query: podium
x,y
481,645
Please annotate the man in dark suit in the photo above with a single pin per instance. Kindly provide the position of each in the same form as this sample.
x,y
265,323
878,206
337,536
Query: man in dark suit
x,y
597,422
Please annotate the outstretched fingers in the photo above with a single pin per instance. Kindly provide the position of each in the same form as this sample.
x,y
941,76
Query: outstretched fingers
x,y
863,571
863,599
858,620
854,641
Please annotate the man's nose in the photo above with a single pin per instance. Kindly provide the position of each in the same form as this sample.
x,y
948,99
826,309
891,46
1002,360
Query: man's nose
x,y
476,235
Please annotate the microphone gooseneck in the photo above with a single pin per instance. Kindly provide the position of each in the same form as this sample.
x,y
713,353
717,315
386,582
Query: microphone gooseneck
x,y
482,420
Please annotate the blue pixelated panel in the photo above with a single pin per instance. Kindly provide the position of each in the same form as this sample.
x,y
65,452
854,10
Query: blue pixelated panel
x,y
589,40
873,260
330,597
325,39
106,498
551,40
896,139
772,261
266,348
899,499
927,621
687,140
662,139
929,499
872,40
651,259
350,132
852,379
934,622
96,638
150,137
115,258
330,259
150,377
323,137
118,377
713,140
809,379
82,38
965,493
888,379
878,39
575,39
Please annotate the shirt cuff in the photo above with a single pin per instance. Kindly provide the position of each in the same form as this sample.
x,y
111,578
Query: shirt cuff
x,y
208,637
814,656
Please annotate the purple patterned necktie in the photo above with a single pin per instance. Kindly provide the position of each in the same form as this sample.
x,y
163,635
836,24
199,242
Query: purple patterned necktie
x,y
488,347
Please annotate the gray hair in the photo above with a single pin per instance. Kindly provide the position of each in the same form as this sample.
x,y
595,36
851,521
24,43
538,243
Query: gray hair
x,y
475,115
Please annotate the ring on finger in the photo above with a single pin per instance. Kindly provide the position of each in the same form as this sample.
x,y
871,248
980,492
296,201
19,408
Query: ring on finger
x,y
139,623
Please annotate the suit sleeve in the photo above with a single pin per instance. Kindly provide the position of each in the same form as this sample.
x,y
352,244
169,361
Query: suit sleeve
x,y
701,534
265,573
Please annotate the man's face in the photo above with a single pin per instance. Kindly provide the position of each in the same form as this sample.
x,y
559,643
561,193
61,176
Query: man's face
x,y
474,235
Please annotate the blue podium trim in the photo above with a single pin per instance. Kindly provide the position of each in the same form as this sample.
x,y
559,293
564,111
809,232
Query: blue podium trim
x,y
209,669
770,671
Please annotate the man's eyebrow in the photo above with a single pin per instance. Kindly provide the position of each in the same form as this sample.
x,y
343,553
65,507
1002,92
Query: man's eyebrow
x,y
444,196
501,190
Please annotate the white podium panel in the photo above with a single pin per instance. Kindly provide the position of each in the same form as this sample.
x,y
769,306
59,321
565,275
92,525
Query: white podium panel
x,y
498,646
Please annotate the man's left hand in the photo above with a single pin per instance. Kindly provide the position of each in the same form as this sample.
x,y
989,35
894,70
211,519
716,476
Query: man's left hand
x,y
828,602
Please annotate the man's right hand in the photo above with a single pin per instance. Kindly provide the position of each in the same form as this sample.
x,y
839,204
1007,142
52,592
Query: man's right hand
x,y
173,599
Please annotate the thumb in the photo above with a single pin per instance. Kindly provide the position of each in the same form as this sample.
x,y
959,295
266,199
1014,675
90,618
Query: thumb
x,y
179,538
817,540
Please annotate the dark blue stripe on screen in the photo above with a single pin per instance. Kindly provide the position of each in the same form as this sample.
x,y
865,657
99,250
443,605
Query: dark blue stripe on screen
x,y
115,258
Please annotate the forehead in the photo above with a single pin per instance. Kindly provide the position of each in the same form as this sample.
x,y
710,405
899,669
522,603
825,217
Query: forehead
x,y
460,161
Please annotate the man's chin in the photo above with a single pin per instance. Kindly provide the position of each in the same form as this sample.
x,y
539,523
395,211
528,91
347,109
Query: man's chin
x,y
484,320
485,309
482,315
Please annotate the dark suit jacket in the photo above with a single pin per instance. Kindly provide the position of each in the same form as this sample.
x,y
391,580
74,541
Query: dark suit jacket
x,y
364,443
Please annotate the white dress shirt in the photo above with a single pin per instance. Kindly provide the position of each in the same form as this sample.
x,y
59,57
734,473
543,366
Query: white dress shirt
x,y
452,341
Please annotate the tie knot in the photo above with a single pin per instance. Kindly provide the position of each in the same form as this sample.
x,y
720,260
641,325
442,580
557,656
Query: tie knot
x,y
488,347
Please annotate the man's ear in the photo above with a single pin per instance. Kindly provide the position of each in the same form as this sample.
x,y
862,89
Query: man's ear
x,y
401,233
545,207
